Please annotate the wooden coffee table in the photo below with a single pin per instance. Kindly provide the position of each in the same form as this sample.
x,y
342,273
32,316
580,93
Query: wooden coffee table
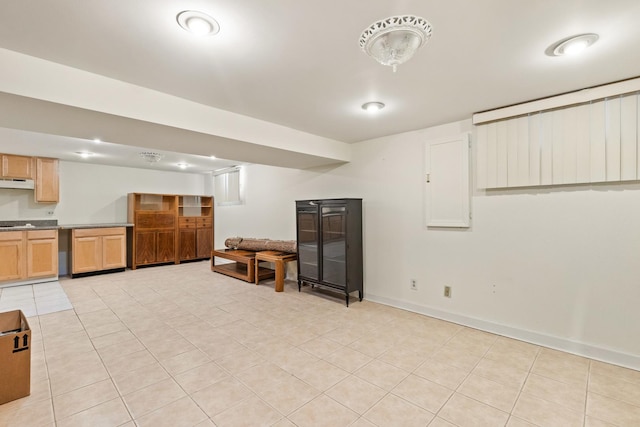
x,y
244,267
279,259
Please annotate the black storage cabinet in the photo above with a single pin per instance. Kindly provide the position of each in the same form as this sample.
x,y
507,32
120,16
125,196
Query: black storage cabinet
x,y
329,234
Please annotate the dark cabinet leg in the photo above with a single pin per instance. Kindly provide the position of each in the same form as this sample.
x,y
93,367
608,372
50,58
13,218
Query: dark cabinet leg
x,y
360,295
299,285
347,299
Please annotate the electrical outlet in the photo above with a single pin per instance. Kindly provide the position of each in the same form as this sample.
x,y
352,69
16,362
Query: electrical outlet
x,y
447,291
414,285
49,212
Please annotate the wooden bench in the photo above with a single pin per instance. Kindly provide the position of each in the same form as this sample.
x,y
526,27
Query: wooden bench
x,y
279,259
243,267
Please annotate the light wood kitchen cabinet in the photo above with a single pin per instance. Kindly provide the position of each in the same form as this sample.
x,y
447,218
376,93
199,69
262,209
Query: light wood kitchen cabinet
x,y
47,180
98,249
18,167
42,253
13,262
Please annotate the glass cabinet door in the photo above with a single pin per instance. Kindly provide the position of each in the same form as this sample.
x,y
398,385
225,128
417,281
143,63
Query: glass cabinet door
x,y
308,242
334,244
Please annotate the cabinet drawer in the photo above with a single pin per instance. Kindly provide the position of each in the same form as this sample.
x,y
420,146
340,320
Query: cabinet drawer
x,y
204,222
155,220
184,222
90,232
7,236
42,234
187,225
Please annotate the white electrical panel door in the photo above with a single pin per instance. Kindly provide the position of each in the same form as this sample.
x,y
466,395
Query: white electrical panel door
x,y
447,182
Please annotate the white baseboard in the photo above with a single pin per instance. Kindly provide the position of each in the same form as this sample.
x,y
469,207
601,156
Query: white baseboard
x,y
586,350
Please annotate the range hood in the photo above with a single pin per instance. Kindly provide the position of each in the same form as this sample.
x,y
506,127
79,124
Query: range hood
x,y
25,184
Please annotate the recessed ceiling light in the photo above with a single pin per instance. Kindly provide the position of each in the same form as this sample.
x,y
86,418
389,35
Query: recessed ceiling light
x,y
85,154
97,140
198,23
182,165
372,107
572,45
212,157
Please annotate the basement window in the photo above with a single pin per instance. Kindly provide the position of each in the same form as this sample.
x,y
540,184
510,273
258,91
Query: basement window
x,y
227,186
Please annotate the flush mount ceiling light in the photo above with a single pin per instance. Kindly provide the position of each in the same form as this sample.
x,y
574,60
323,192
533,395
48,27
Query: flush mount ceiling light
x,y
150,156
198,23
394,40
372,107
182,165
572,45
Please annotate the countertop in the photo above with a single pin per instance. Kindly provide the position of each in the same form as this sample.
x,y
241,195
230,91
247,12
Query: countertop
x,y
37,225
101,225
21,228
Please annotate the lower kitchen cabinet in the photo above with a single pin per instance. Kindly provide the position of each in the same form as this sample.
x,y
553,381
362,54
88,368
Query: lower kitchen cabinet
x,y
42,253
28,254
13,263
98,249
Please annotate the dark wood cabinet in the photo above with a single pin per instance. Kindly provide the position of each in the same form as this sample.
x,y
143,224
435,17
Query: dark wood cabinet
x,y
329,233
154,232
204,242
169,228
187,243
154,246
195,219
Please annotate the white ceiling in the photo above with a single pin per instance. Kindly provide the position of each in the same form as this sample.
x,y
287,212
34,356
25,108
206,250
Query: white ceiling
x,y
298,64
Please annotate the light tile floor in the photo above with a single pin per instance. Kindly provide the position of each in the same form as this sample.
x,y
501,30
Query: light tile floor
x,y
182,346
33,300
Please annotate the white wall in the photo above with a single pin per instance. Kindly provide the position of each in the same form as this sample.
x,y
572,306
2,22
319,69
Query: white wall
x,y
556,266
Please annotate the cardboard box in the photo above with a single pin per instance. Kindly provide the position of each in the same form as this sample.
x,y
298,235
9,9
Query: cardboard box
x,y
15,356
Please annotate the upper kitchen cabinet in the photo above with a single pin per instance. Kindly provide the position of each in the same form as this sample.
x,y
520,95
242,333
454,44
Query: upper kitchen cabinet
x,y
18,167
47,180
